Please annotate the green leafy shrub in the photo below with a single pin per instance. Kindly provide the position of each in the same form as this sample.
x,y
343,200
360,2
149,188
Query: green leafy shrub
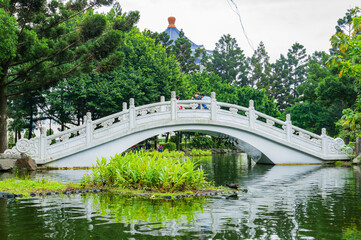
x,y
167,171
171,146
200,152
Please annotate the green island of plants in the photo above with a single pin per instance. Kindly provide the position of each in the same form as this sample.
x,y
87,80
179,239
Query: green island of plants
x,y
143,174
26,186
165,172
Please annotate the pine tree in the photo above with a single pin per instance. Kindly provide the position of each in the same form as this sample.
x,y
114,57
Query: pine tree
x,y
229,62
183,52
259,69
43,42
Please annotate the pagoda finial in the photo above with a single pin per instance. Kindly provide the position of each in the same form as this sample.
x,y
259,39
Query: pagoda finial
x,y
171,21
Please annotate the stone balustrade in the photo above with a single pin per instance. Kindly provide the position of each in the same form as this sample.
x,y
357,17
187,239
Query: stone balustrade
x,y
44,148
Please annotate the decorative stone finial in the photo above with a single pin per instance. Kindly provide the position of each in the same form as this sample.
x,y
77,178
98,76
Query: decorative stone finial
x,y
131,102
162,98
89,115
43,130
171,21
323,132
172,94
288,117
124,106
251,103
213,95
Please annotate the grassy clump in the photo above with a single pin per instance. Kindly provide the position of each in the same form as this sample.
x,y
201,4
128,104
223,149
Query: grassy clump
x,y
153,171
26,186
200,152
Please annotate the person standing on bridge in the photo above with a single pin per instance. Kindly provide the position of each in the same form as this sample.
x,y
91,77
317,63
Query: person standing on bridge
x,y
180,106
205,98
197,97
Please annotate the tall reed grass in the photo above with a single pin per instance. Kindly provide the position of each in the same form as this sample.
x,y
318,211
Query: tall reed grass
x,y
165,172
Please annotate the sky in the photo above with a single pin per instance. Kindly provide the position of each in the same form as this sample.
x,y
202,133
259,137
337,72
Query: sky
x,y
277,23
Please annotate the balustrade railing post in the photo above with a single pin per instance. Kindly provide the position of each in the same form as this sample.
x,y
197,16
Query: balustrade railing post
x,y
43,144
289,131
324,142
251,114
163,107
214,108
89,128
173,106
124,109
131,113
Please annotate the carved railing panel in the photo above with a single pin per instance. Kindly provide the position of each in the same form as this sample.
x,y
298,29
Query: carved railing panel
x,y
65,135
151,109
307,136
109,121
232,108
29,147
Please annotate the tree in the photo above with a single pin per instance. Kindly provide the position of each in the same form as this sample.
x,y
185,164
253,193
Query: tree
x,y
348,56
259,69
279,83
160,38
287,74
24,112
44,42
183,52
208,82
146,73
344,25
228,61
313,116
297,67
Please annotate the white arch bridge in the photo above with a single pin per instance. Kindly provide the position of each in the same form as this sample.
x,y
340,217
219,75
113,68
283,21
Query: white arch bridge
x,y
266,139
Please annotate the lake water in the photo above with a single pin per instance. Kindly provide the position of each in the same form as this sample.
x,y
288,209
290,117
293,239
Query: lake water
x,y
283,202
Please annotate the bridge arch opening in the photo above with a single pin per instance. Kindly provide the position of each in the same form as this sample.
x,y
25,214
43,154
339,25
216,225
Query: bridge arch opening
x,y
261,150
254,153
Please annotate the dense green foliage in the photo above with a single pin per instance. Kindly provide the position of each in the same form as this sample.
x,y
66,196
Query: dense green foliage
x,y
167,171
347,47
43,42
202,141
170,146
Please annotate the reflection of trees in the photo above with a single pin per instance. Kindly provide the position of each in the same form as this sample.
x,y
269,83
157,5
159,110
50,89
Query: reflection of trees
x,y
3,219
230,168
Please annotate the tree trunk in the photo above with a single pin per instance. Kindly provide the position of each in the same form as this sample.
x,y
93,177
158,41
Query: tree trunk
x,y
166,137
179,140
185,141
31,120
156,142
3,120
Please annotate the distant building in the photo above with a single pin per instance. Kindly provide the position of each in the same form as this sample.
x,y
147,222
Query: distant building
x,y
173,33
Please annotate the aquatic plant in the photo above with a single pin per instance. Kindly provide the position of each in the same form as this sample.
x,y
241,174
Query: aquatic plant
x,y
155,171
200,152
